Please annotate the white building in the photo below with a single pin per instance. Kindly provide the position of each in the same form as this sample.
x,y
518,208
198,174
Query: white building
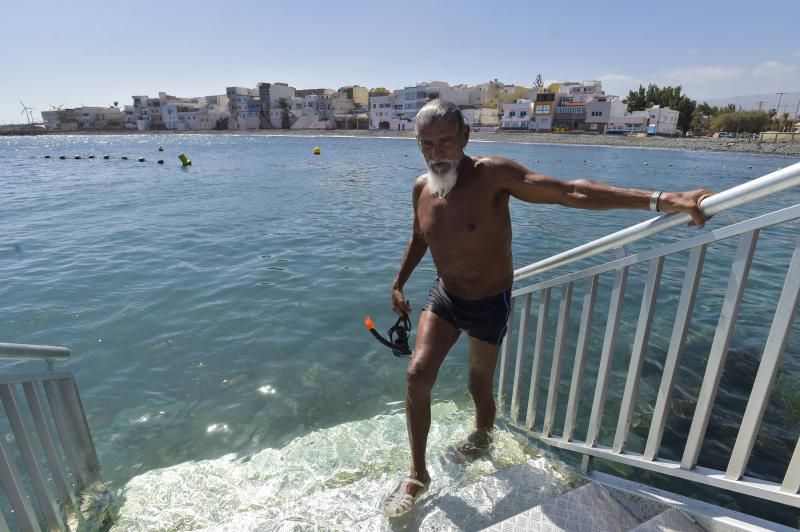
x,y
99,117
408,101
195,114
608,114
581,91
664,119
602,108
629,123
481,118
459,95
145,114
277,103
84,118
52,119
244,107
517,115
571,99
381,111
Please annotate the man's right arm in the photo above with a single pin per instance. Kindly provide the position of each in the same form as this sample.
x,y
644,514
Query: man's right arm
x,y
414,252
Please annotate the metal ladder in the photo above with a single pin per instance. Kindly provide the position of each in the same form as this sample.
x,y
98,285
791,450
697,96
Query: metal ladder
x,y
50,400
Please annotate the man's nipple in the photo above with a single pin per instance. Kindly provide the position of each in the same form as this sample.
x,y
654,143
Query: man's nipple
x,y
471,228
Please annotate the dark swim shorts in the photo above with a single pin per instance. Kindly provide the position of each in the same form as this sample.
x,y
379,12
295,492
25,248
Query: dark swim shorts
x,y
486,319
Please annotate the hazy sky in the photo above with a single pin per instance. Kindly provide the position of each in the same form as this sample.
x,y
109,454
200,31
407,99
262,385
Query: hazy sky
x,y
95,53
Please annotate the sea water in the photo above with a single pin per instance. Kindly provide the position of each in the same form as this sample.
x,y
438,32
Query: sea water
x,y
214,314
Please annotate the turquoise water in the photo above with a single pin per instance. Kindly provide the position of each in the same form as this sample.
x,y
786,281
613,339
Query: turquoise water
x,y
217,310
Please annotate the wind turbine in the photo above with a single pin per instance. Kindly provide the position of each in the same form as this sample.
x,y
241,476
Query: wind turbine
x,y
55,107
27,112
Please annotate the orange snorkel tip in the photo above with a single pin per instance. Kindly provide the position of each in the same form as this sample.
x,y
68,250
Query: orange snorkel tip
x,y
368,323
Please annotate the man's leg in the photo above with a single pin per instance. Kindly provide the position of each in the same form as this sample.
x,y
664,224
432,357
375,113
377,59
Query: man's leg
x,y
482,362
435,337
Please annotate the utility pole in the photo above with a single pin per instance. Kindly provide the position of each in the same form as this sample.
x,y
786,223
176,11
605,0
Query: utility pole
x,y
778,109
762,102
796,109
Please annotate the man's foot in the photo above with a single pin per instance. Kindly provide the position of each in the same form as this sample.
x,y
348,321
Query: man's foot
x,y
477,444
402,499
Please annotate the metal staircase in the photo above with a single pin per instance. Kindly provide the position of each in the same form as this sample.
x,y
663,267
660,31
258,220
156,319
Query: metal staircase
x,y
51,476
557,428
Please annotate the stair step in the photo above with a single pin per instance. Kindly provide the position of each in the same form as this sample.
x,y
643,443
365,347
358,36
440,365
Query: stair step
x,y
588,508
672,520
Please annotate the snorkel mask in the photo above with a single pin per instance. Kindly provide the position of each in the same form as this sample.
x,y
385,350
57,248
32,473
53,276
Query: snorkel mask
x,y
398,335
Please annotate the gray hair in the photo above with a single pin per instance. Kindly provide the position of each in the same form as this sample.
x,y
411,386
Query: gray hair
x,y
439,111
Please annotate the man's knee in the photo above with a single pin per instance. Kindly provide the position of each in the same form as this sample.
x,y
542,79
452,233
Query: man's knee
x,y
420,377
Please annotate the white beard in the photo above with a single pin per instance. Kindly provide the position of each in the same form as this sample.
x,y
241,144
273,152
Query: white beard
x,y
442,184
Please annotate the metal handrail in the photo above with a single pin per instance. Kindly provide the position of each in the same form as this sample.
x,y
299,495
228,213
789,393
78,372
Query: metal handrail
x,y
32,352
69,472
774,182
733,477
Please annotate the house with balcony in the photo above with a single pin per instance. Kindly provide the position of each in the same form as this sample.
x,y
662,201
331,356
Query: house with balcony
x,y
543,112
627,124
571,98
314,104
274,99
569,115
609,114
600,109
517,115
201,113
409,100
145,114
244,106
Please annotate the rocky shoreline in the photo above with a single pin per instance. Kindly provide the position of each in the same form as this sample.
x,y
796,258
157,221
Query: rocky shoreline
x,y
587,139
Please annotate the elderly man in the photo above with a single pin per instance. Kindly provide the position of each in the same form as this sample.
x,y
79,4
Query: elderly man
x,y
461,213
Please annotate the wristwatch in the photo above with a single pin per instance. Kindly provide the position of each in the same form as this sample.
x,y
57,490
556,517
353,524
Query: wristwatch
x,y
654,200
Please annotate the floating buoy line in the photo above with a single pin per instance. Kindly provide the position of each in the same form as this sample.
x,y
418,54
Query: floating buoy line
x,y
185,161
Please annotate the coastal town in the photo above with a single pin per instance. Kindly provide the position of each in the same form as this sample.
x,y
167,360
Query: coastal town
x,y
566,112
559,107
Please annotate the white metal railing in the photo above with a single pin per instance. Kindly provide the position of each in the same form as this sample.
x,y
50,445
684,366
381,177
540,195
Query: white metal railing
x,y
747,232
58,500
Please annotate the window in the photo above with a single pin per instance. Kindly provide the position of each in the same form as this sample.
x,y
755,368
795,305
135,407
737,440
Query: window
x,y
512,113
523,113
545,108
410,96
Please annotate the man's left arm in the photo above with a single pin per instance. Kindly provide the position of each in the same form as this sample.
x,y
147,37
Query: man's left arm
x,y
532,187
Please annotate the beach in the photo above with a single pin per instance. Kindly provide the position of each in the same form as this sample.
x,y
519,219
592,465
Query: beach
x,y
525,137
590,139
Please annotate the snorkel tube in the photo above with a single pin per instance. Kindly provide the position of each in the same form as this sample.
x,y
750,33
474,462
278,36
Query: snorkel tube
x,y
398,335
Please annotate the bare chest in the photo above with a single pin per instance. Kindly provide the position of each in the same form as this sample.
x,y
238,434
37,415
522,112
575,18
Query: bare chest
x,y
457,217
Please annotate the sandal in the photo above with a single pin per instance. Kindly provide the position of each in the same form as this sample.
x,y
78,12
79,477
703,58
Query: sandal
x,y
470,449
400,500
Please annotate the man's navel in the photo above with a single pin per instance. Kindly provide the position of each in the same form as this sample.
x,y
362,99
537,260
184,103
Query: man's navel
x,y
471,228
